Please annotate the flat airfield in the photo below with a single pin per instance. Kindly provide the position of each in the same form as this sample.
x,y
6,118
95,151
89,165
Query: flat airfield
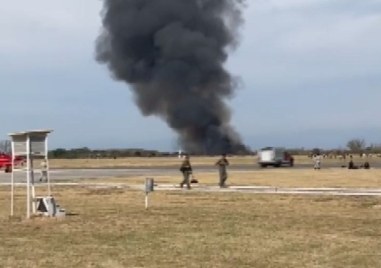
x,y
243,171
107,225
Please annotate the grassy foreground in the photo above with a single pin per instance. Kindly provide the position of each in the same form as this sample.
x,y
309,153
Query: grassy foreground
x,y
110,228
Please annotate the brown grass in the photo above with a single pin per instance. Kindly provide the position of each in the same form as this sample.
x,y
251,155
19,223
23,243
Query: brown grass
x,y
134,162
189,229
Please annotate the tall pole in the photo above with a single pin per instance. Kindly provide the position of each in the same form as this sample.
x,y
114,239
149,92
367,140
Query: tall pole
x,y
28,176
33,190
13,179
47,165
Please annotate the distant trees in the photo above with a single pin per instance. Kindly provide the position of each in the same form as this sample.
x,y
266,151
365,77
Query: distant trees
x,y
374,149
356,145
5,146
111,153
316,151
58,153
83,152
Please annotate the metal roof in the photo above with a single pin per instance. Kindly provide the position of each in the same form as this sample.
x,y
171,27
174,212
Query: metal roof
x,y
31,133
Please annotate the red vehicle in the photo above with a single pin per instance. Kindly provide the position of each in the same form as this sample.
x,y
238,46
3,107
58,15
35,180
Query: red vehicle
x,y
6,161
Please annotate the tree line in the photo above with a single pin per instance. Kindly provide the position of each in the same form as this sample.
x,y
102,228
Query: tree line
x,y
354,146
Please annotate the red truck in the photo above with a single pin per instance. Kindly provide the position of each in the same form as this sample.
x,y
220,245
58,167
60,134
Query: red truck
x,y
6,162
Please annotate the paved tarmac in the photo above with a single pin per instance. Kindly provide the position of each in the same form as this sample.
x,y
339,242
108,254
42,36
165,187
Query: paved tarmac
x,y
278,190
68,177
57,175
96,173
231,189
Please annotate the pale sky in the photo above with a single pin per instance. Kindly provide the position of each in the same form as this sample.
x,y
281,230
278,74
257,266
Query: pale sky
x,y
310,73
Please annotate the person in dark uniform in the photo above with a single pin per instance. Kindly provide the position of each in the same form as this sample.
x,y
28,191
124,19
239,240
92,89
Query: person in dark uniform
x,y
222,163
366,165
351,164
186,169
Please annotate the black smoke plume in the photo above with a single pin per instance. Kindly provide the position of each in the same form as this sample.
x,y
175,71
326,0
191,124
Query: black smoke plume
x,y
172,54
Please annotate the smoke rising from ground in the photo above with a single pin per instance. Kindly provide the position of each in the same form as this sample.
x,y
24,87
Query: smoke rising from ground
x,y
171,53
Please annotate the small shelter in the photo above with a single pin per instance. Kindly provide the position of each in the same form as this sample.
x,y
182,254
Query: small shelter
x,y
31,145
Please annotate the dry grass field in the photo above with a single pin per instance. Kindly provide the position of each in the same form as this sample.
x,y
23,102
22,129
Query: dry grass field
x,y
136,162
110,228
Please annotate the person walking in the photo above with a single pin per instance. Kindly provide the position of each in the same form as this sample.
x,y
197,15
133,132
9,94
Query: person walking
x,y
44,170
186,169
222,163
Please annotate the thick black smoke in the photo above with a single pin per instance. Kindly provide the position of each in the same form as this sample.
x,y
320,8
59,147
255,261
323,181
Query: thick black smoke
x,y
172,53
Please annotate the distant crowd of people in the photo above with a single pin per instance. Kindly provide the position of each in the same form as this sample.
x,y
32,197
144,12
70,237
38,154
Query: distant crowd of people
x,y
351,165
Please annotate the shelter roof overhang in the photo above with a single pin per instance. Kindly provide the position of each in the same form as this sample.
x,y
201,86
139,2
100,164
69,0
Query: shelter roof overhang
x,y
31,133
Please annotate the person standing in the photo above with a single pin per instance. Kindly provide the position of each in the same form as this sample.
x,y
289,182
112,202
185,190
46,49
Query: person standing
x,y
186,169
222,163
317,160
44,170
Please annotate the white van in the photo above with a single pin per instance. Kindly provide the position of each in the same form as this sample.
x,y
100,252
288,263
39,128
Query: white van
x,y
271,156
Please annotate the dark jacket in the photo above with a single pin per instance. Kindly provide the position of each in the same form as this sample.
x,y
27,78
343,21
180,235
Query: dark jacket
x,y
186,166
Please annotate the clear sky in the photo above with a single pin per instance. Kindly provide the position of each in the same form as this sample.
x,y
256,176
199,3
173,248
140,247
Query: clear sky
x,y
310,73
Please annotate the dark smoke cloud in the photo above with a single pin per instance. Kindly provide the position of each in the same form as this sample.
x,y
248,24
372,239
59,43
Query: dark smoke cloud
x,y
172,54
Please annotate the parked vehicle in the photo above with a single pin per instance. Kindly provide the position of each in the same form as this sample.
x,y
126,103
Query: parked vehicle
x,y
6,162
276,157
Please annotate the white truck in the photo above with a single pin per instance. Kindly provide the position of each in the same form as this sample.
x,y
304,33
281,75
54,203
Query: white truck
x,y
274,156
